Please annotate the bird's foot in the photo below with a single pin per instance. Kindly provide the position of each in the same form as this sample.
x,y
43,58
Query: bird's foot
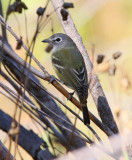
x,y
70,96
53,78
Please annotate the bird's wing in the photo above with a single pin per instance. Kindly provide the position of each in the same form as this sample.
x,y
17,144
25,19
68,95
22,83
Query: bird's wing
x,y
70,68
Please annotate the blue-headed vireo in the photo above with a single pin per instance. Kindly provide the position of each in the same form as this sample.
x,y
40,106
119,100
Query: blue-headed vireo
x,y
70,68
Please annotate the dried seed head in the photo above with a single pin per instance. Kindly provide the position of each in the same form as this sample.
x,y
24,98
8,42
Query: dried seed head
x,y
64,14
100,58
49,48
17,6
68,5
116,55
40,11
19,44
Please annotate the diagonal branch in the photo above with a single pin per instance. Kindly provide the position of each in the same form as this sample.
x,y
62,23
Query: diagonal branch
x,y
56,133
44,118
45,76
42,95
51,115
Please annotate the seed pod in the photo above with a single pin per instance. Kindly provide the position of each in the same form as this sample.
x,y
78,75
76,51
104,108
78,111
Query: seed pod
x,y
100,58
17,6
23,5
19,44
68,5
49,48
64,14
116,55
40,11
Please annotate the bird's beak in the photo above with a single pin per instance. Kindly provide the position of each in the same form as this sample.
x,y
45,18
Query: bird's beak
x,y
46,41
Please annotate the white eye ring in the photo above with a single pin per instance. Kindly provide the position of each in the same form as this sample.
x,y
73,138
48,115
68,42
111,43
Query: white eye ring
x,y
58,39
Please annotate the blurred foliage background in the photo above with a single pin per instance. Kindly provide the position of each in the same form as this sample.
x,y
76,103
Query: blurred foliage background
x,y
105,27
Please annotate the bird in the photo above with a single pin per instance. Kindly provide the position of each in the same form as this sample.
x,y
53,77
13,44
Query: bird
x,y
70,68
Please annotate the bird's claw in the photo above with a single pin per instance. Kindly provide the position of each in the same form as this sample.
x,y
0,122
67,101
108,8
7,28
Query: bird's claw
x,y
70,96
53,78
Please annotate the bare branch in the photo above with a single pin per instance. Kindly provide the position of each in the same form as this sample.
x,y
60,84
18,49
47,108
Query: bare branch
x,y
54,117
45,76
42,95
22,62
16,88
4,35
32,114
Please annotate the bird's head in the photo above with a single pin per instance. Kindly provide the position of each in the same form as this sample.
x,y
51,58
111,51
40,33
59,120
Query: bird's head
x,y
60,41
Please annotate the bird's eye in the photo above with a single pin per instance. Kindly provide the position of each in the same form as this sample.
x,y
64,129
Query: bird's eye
x,y
58,39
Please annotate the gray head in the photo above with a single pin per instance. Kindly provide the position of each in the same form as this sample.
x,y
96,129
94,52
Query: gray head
x,y
60,41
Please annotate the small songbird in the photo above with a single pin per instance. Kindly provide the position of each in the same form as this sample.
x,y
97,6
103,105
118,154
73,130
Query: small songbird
x,y
70,68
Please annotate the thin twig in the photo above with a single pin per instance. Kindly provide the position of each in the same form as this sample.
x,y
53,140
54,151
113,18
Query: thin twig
x,y
3,22
43,119
91,142
44,114
44,75
94,119
18,59
98,146
26,29
16,88
32,114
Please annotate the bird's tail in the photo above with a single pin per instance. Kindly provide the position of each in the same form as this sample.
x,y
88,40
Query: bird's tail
x,y
86,117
